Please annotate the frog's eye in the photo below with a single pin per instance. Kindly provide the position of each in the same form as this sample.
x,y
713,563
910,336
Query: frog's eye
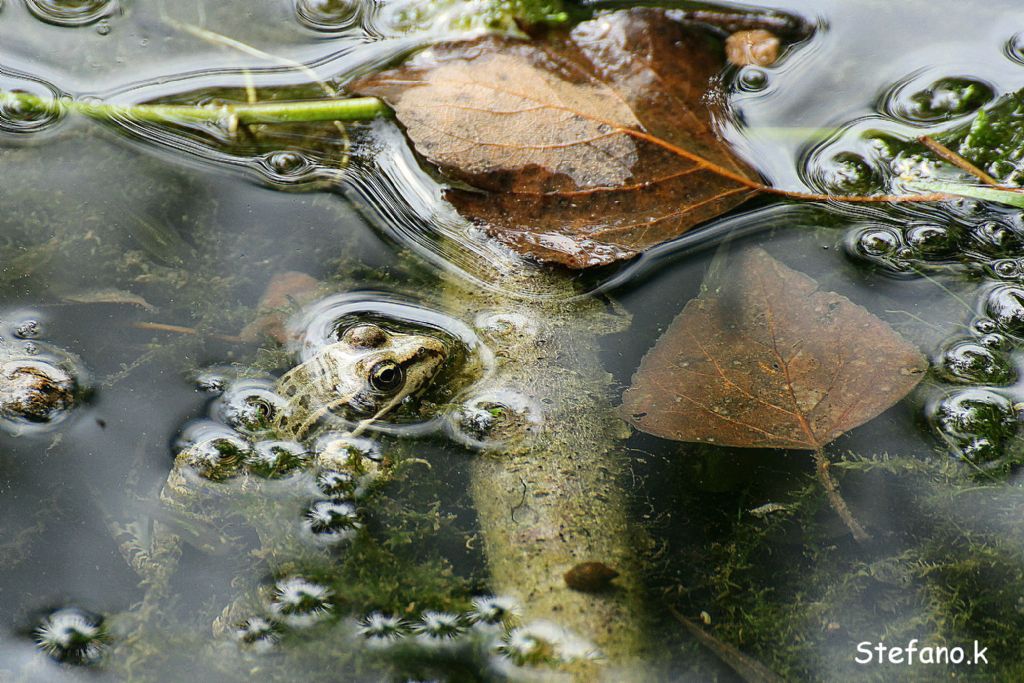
x,y
387,376
365,336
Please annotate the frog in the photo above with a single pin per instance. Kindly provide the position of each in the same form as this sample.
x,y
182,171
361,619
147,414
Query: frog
x,y
306,429
365,375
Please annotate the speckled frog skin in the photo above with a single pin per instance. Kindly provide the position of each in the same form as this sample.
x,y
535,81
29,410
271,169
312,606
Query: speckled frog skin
x,y
363,376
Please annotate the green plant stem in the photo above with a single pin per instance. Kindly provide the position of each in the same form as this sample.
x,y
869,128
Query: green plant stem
x,y
1010,196
341,109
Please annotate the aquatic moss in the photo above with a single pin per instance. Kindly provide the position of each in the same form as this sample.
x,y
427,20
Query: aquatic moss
x,y
946,571
994,139
496,16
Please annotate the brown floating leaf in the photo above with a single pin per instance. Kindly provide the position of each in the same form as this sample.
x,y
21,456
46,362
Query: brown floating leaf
x,y
584,148
284,289
770,361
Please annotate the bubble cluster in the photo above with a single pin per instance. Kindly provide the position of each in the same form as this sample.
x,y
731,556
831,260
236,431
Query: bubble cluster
x,y
335,472
492,627
980,422
72,636
962,235
71,13
290,603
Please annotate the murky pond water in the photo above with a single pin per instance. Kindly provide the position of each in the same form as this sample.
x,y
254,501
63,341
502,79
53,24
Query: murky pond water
x,y
161,520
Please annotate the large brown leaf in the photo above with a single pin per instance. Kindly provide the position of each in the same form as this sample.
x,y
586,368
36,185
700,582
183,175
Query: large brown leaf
x,y
768,360
582,148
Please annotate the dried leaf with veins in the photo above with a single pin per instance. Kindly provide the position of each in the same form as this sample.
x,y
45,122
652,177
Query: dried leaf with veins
x,y
768,360
582,149
586,147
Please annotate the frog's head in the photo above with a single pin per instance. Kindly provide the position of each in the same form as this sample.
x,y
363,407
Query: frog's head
x,y
363,376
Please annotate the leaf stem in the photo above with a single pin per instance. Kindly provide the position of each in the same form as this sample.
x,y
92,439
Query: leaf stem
x,y
332,109
952,157
835,498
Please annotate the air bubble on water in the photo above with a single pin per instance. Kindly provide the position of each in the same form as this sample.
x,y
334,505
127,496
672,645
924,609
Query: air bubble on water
x,y
875,242
973,362
18,118
931,241
27,329
984,326
332,521
275,459
752,79
1005,305
845,173
258,634
491,610
438,628
300,603
249,406
994,341
337,484
358,456
71,13
381,630
995,237
72,636
1014,48
977,424
327,16
40,385
212,451
920,103
213,381
492,417
288,167
1005,269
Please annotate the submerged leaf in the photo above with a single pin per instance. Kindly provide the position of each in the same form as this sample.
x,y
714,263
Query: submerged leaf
x,y
770,361
582,149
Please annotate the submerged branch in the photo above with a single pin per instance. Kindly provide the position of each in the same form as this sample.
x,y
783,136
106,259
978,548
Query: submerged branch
x,y
304,111
746,667
835,498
